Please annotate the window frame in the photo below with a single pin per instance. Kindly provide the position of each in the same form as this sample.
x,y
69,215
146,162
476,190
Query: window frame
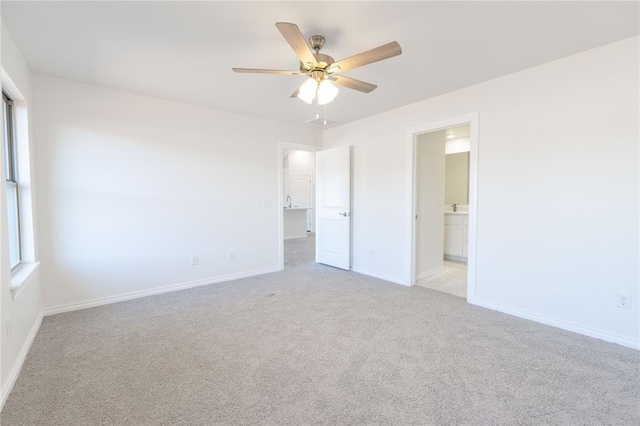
x,y
11,163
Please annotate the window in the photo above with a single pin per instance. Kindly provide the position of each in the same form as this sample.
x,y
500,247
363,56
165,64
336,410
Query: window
x,y
11,176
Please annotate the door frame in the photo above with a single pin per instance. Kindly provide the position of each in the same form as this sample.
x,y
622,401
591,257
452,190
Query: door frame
x,y
281,147
411,237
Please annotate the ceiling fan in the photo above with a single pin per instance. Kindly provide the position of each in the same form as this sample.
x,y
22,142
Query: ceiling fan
x,y
322,69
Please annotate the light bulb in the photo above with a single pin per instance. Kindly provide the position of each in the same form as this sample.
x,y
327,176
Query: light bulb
x,y
307,91
327,92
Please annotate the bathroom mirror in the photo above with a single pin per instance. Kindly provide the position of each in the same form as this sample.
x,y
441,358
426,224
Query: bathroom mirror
x,y
456,178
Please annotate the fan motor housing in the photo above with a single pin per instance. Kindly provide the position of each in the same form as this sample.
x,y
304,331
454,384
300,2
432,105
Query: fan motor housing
x,y
317,42
323,62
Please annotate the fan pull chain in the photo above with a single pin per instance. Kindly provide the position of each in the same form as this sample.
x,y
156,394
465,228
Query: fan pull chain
x,y
325,115
317,108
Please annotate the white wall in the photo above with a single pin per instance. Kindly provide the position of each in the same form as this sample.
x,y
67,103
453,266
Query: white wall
x,y
457,145
135,186
430,191
25,310
301,162
559,252
298,163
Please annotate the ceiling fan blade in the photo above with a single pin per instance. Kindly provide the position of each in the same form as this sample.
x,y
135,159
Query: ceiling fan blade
x,y
295,94
296,40
352,83
380,53
263,71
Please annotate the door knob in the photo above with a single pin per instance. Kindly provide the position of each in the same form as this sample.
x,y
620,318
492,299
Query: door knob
x,y
345,214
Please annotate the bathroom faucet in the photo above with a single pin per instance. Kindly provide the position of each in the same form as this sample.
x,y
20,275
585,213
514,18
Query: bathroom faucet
x,y
289,199
455,207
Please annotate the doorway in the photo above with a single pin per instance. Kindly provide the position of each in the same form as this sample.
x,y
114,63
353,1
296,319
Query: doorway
x,y
296,204
443,223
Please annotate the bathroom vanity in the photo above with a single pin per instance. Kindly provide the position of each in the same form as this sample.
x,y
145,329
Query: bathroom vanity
x,y
295,222
456,235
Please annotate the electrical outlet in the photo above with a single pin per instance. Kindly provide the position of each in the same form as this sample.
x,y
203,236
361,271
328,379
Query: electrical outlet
x,y
194,260
624,301
232,255
8,327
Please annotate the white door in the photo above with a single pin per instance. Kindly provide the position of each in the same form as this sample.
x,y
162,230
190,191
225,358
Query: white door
x,y
301,190
333,203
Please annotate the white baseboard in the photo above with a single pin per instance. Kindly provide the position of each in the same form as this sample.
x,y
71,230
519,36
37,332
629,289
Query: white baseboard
x,y
151,292
456,258
430,273
369,272
558,323
17,365
296,236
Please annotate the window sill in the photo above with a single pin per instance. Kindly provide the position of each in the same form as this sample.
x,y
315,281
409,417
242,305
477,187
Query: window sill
x,y
21,277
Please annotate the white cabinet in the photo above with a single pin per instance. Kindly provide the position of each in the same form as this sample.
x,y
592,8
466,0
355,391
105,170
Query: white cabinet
x,y
295,223
456,236
453,240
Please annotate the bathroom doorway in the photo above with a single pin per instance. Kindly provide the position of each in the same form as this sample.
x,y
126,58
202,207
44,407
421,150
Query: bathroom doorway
x,y
296,204
444,198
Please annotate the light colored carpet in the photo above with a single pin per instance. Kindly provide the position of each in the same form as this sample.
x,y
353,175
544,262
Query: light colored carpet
x,y
317,345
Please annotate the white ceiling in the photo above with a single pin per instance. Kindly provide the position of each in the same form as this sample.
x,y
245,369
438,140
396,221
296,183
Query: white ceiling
x,y
184,51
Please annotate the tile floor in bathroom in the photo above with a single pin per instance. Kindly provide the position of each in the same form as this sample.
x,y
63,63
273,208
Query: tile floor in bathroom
x,y
452,280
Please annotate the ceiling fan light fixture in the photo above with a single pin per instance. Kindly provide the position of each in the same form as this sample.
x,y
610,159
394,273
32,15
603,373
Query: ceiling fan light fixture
x,y
307,91
320,67
327,92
